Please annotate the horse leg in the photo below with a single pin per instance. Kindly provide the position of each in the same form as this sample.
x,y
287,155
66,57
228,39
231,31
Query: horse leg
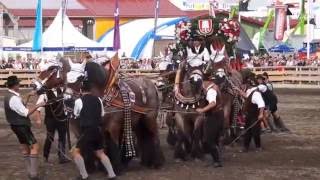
x,y
180,152
148,137
227,124
112,136
197,133
172,136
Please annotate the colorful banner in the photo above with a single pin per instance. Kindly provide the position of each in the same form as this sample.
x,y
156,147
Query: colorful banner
x,y
280,20
265,28
300,28
116,35
37,38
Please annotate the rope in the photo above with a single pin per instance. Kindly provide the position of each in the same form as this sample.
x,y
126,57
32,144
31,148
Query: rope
x,y
244,132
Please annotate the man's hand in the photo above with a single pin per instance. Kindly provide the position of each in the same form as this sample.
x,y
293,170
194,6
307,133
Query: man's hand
x,y
200,110
260,117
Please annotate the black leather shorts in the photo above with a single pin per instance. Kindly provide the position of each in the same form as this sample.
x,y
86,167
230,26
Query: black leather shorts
x,y
24,134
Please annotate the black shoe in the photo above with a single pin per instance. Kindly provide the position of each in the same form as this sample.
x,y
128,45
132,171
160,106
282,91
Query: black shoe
x,y
64,161
259,149
284,130
217,164
113,178
80,178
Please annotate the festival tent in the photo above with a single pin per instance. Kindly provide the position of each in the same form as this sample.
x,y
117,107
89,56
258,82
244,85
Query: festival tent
x,y
281,48
67,39
136,37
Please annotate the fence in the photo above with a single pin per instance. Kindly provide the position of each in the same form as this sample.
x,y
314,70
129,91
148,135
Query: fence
x,y
292,77
285,77
25,76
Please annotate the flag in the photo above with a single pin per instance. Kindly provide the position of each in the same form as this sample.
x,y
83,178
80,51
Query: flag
x,y
116,34
300,28
37,38
265,27
280,20
233,12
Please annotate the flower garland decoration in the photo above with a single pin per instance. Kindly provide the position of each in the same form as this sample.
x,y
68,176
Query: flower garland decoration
x,y
230,29
183,31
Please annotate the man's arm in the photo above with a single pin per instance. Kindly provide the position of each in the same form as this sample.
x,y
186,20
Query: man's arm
x,y
77,107
211,98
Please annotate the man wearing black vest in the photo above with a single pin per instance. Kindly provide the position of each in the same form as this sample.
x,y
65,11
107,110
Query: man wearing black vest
x,y
17,116
89,111
213,125
55,120
253,110
271,100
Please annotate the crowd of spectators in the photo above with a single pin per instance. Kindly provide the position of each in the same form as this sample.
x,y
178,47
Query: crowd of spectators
x,y
151,64
19,63
279,60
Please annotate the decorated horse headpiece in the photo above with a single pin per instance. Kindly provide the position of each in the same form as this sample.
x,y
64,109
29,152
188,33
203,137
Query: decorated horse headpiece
x,y
47,70
77,71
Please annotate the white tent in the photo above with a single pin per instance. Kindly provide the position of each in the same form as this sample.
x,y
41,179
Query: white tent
x,y
53,39
136,37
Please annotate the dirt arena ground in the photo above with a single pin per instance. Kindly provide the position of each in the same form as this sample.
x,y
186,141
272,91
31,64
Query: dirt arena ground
x,y
294,156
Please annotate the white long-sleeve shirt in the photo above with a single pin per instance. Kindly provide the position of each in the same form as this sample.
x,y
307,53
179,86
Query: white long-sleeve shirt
x,y
197,59
16,104
256,97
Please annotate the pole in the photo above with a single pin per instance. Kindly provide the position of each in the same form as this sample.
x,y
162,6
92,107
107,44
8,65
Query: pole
x,y
63,14
308,29
156,15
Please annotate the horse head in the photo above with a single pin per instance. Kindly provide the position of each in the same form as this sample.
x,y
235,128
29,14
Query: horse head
x,y
52,74
196,80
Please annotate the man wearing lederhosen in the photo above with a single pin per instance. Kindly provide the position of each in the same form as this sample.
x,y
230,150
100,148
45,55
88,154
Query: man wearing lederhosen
x,y
17,116
55,119
89,111
273,108
213,125
253,110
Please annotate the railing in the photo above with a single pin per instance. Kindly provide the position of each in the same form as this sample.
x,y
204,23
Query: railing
x,y
295,77
25,76
286,77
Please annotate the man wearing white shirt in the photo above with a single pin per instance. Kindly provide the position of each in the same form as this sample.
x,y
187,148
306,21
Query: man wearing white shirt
x,y
89,112
55,120
253,110
197,54
213,125
17,116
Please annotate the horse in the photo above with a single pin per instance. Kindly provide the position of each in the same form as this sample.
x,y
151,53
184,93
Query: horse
x,y
188,96
143,109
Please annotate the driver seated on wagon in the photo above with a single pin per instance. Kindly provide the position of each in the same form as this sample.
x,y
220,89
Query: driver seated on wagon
x,y
197,53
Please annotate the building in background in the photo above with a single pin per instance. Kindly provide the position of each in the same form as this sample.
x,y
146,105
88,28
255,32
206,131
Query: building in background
x,y
18,17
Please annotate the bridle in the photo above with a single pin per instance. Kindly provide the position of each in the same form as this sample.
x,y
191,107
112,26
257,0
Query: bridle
x,y
39,85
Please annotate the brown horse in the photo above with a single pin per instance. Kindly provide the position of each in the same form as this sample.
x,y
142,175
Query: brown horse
x,y
188,96
144,109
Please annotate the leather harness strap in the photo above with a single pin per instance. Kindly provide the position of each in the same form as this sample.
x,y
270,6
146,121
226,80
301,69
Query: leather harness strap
x,y
111,88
